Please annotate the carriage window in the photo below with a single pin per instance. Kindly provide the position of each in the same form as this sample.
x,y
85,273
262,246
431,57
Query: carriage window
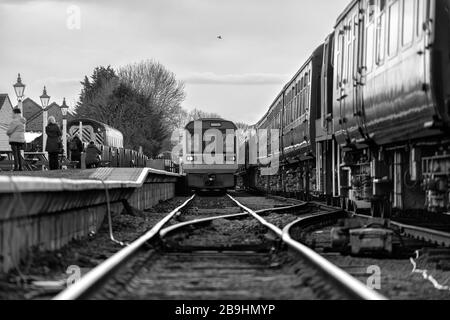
x,y
393,28
341,65
338,67
381,37
294,111
294,117
408,21
350,50
369,47
371,10
420,16
307,99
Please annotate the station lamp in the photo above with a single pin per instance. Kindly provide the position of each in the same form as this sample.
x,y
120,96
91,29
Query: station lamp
x,y
64,108
19,88
45,99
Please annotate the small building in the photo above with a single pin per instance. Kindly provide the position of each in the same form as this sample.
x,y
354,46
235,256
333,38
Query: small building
x,y
6,116
33,113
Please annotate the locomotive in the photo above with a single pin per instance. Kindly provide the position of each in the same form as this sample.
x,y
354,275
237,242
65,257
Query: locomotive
x,y
210,157
108,140
365,122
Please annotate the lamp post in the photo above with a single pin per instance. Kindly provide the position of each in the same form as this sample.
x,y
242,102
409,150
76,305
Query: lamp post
x,y
64,110
19,88
45,99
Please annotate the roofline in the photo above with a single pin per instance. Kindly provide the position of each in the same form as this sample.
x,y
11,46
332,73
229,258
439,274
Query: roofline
x,y
7,97
346,10
288,84
28,98
211,119
271,106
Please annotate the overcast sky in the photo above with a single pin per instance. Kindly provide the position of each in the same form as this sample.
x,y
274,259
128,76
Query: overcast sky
x,y
264,43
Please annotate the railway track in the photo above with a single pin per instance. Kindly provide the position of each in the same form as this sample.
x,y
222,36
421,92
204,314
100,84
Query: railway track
x,y
415,229
235,255
417,269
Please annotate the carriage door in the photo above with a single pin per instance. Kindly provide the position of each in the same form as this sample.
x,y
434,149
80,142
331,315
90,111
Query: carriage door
x,y
348,65
363,34
425,11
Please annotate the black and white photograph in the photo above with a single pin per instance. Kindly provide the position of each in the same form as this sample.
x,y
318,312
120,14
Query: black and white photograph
x,y
225,158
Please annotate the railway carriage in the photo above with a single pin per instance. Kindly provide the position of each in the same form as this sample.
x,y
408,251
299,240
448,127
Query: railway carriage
x,y
211,159
392,105
378,122
109,140
293,114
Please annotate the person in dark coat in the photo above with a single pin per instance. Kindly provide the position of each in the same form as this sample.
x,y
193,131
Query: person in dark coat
x,y
16,134
92,156
54,144
76,148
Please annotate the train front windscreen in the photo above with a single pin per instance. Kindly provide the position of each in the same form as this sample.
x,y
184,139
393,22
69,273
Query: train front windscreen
x,y
213,139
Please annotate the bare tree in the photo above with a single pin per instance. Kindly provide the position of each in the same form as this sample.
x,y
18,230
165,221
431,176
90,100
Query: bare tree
x,y
160,86
197,114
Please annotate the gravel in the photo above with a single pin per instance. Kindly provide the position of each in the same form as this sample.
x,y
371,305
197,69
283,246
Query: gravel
x,y
398,281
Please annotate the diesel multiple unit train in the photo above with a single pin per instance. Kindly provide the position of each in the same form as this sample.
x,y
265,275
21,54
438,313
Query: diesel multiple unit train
x,y
366,120
210,157
108,140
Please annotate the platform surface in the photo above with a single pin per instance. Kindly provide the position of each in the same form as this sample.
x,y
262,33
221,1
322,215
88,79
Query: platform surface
x,y
76,179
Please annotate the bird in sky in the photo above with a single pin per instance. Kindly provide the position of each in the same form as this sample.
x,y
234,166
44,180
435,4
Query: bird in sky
x,y
219,37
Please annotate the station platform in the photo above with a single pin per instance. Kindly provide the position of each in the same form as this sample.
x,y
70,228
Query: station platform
x,y
87,178
48,209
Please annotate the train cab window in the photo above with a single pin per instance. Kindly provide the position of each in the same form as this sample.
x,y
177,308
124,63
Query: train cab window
x,y
408,22
393,28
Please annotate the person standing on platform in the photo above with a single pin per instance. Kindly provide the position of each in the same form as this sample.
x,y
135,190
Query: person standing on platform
x,y
92,156
76,148
16,134
54,143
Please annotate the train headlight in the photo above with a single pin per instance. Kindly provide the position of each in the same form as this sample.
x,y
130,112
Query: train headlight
x,y
190,158
233,158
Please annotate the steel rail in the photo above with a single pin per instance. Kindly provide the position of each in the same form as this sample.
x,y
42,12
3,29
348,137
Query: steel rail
x,y
94,278
165,232
425,234
352,286
286,208
268,225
